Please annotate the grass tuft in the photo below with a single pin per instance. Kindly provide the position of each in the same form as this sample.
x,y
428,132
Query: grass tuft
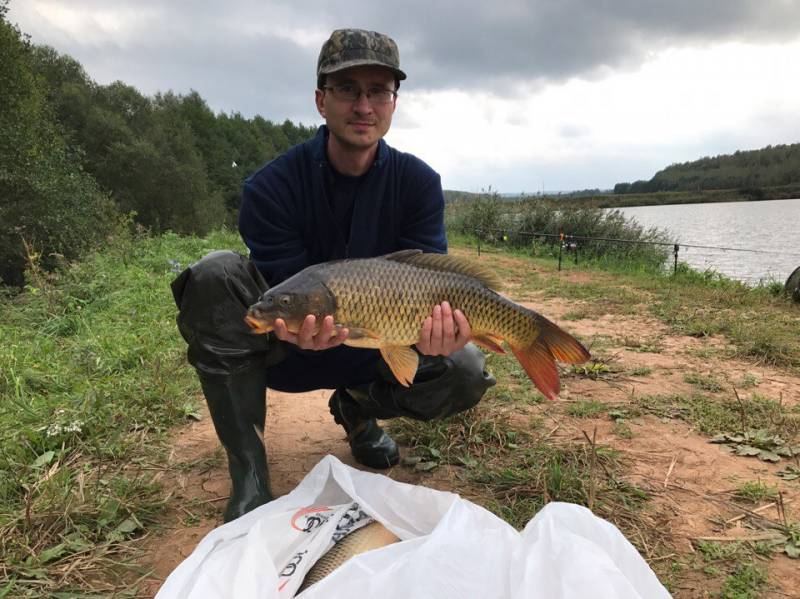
x,y
756,492
586,408
745,582
718,415
703,381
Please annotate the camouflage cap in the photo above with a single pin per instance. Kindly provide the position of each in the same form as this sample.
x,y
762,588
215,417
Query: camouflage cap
x,y
356,47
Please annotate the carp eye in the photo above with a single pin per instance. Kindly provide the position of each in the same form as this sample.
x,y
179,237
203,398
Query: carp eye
x,y
285,300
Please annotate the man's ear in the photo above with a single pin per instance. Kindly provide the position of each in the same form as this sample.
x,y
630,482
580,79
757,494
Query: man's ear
x,y
319,97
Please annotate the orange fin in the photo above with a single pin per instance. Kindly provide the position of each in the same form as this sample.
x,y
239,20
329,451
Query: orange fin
x,y
489,342
364,338
448,263
358,332
561,345
403,362
541,368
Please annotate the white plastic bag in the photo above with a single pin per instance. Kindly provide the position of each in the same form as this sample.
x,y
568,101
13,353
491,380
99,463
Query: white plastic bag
x,y
450,548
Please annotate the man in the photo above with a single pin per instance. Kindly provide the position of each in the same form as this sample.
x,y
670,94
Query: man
x,y
343,194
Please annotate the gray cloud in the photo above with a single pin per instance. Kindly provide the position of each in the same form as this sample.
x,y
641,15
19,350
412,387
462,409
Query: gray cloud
x,y
484,44
573,131
238,57
259,57
242,79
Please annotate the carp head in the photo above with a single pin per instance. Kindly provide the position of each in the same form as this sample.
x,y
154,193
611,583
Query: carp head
x,y
292,301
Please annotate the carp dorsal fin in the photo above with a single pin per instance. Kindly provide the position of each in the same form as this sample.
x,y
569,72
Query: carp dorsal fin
x,y
402,255
447,263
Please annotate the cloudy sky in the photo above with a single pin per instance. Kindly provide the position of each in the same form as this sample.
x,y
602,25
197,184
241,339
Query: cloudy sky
x,y
517,95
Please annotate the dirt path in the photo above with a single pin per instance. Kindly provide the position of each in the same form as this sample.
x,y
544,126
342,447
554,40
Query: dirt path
x,y
689,480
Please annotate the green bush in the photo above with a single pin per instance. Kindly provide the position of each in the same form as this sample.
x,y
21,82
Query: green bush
x,y
536,224
480,216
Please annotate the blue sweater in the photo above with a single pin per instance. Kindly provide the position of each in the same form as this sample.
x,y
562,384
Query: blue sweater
x,y
287,222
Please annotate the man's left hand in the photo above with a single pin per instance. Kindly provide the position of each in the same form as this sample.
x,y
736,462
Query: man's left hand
x,y
444,332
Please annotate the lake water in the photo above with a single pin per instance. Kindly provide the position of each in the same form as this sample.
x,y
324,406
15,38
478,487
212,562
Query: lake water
x,y
771,227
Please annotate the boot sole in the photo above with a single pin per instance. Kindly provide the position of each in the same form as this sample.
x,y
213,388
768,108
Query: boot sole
x,y
382,463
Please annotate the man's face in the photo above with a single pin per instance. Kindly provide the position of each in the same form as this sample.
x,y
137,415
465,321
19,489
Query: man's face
x,y
359,123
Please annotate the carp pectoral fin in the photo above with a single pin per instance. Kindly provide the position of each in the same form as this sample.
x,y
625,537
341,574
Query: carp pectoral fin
x,y
364,338
541,368
402,361
489,342
359,333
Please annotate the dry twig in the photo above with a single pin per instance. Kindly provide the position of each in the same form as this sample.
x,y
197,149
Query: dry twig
x,y
669,472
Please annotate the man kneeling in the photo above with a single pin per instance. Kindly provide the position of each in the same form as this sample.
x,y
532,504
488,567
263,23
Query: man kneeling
x,y
343,194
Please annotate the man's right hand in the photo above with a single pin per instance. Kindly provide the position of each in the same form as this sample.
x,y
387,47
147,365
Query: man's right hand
x,y
308,337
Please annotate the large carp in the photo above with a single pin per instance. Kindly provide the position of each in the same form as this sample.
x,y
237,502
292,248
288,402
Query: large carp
x,y
384,301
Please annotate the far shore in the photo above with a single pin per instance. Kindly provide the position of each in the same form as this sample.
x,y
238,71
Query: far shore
x,y
684,197
611,200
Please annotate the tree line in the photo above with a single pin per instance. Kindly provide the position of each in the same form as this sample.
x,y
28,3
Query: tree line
x,y
77,157
772,166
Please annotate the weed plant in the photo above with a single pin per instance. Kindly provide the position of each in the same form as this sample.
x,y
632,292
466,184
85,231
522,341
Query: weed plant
x,y
756,491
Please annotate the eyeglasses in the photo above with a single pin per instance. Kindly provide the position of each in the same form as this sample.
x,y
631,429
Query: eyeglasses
x,y
347,92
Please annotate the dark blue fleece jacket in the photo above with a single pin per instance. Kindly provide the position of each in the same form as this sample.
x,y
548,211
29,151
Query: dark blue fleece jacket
x,y
287,222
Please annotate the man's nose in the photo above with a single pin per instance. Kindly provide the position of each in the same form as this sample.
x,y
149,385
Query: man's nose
x,y
362,105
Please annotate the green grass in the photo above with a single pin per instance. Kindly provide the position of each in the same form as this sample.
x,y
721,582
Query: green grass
x,y
622,429
92,377
756,492
712,551
642,371
703,381
745,582
748,381
712,415
586,408
761,325
744,578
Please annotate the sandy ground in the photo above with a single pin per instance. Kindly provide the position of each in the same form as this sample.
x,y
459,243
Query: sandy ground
x,y
689,479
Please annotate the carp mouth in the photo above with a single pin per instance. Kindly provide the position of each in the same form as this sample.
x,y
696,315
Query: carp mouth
x,y
258,326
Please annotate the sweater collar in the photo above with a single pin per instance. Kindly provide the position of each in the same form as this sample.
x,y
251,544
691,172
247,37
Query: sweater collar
x,y
321,157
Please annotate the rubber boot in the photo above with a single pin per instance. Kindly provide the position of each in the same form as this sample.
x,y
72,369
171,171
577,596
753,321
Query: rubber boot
x,y
237,402
370,445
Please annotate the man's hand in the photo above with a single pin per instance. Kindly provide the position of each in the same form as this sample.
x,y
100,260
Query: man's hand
x,y
308,337
444,332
